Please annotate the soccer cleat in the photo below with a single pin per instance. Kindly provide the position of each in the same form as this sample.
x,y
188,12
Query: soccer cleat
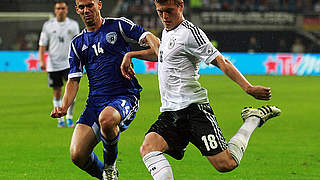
x,y
110,173
70,123
61,124
264,113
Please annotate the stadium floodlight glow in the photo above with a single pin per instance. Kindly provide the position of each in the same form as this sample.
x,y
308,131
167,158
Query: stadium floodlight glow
x,y
24,16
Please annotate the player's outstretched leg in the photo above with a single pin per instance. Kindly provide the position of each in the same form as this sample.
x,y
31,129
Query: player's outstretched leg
x,y
110,153
253,118
264,113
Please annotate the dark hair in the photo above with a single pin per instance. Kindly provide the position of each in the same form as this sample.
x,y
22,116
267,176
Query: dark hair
x,y
60,1
177,2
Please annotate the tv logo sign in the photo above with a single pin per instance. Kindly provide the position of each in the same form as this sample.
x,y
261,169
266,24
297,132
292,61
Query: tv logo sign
x,y
292,64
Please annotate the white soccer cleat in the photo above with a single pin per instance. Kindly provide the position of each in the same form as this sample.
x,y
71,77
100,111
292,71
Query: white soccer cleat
x,y
110,173
264,113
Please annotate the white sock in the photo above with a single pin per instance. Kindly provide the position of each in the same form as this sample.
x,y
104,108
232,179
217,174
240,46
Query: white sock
x,y
238,143
58,103
70,111
158,166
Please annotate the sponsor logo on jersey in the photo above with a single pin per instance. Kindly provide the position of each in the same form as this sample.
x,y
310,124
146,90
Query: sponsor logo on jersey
x,y
84,47
111,37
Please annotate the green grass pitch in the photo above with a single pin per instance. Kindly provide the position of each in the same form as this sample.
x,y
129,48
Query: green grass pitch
x,y
286,147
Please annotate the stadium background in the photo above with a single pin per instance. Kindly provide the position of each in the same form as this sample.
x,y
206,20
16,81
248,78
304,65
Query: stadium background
x,y
31,147
230,23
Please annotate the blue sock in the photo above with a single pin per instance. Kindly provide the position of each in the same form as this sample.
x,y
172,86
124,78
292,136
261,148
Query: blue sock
x,y
94,167
110,149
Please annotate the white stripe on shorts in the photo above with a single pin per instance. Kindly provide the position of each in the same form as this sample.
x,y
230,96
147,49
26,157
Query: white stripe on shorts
x,y
218,135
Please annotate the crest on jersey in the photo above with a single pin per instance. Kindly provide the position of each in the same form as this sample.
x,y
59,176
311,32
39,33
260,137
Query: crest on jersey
x,y
111,37
172,42
210,51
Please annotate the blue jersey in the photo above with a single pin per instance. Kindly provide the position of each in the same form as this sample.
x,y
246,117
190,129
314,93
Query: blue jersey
x,y
101,53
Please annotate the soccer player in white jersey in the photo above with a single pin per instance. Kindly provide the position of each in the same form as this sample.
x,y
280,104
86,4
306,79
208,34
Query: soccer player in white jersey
x,y
186,115
57,34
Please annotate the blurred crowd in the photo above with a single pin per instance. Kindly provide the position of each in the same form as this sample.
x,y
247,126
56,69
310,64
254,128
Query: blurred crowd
x,y
138,9
142,12
294,6
297,46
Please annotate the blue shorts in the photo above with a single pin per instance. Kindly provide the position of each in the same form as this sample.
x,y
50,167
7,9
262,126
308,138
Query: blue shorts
x,y
127,106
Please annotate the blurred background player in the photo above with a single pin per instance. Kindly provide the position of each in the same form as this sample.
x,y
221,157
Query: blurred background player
x,y
113,100
57,34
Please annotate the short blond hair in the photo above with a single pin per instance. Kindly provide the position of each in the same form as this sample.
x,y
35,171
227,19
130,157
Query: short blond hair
x,y
177,2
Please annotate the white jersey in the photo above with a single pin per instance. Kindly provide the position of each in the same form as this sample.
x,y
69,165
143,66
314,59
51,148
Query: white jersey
x,y
57,37
180,53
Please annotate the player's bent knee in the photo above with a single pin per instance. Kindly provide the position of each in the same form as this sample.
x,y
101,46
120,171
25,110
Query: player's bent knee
x,y
109,119
153,142
225,166
223,162
107,123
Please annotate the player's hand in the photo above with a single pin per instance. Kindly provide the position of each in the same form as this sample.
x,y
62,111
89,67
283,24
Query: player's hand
x,y
58,112
42,66
126,68
259,92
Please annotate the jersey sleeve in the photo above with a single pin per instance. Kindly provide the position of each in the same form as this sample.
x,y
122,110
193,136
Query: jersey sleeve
x,y
199,46
76,67
44,37
132,32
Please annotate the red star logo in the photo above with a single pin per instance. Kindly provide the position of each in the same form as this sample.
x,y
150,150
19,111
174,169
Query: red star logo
x,y
271,65
32,63
150,66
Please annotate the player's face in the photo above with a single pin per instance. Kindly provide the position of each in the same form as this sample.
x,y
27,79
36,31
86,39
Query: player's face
x,y
61,11
170,14
89,11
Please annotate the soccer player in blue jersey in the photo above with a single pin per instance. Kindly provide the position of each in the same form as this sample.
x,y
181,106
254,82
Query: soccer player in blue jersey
x,y
113,100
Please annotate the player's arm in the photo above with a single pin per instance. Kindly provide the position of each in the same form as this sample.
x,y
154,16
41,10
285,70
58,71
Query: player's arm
x,y
154,44
126,68
43,43
258,92
42,50
70,93
72,84
150,54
